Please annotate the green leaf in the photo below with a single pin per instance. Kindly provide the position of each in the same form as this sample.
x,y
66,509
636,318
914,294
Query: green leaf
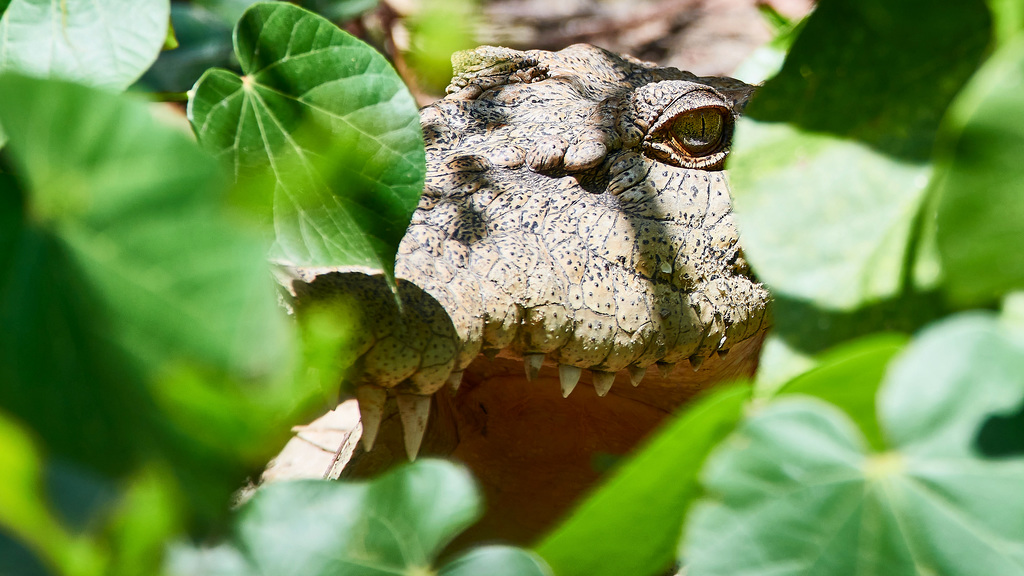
x,y
25,514
797,490
831,161
340,10
803,331
980,182
440,29
122,281
107,44
632,523
1008,19
396,524
824,219
496,561
204,41
228,11
849,376
335,125
973,367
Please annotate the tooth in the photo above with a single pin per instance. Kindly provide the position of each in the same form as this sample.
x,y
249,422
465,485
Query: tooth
x,y
533,363
665,368
569,376
696,361
371,408
414,410
723,352
603,382
454,379
636,374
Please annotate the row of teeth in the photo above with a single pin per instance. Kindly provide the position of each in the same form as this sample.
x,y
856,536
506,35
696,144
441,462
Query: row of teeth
x,y
414,409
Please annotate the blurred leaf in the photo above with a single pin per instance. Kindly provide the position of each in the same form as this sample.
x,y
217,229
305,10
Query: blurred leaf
x,y
335,125
439,29
170,41
849,376
496,561
1008,19
340,10
25,514
147,514
228,11
396,524
631,525
830,163
778,364
204,41
980,182
767,60
824,219
971,367
796,490
119,272
107,44
803,331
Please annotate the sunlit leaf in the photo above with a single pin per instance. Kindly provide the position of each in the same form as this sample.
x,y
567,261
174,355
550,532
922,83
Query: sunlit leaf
x,y
797,489
332,121
496,561
1008,19
849,377
831,162
107,44
632,523
25,514
981,182
396,524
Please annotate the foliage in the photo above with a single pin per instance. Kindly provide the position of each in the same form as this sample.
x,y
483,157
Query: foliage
x,y
334,125
396,524
107,44
145,367
798,490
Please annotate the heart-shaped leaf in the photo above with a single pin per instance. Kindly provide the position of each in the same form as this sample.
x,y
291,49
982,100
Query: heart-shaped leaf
x,y
396,524
797,490
334,124
107,44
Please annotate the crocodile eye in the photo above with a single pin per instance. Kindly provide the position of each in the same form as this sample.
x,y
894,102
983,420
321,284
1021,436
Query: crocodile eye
x,y
691,136
699,132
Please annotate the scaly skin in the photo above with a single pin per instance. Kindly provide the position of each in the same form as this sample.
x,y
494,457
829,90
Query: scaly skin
x,y
564,226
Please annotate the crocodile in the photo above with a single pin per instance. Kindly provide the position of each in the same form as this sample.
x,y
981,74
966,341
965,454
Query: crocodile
x,y
575,227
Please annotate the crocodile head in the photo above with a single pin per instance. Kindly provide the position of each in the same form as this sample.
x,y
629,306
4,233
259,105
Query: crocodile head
x,y
575,222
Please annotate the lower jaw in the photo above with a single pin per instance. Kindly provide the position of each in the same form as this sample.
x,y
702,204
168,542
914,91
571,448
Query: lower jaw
x,y
534,452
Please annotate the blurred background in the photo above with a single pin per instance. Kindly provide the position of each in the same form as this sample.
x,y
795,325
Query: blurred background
x,y
706,37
